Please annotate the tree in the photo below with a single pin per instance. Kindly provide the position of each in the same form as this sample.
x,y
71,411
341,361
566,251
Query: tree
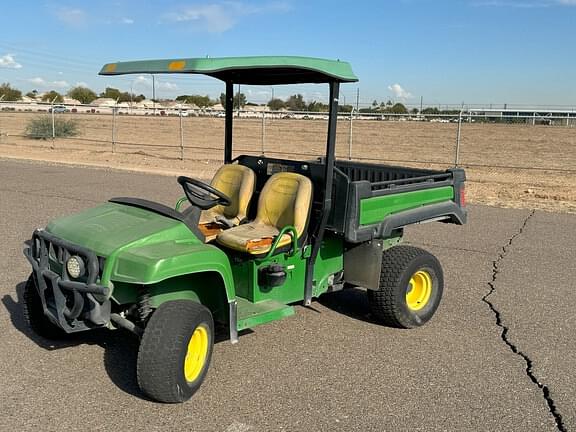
x,y
239,100
114,93
9,93
199,101
111,92
296,103
32,94
345,108
276,104
414,110
315,106
82,94
398,108
52,96
429,110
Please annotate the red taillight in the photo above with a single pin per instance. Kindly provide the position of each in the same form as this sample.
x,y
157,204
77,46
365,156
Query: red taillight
x,y
462,196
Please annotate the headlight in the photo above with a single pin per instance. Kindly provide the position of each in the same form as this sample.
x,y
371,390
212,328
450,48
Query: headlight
x,y
75,267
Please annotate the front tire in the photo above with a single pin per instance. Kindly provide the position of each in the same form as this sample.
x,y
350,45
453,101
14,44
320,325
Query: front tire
x,y
175,351
411,286
34,313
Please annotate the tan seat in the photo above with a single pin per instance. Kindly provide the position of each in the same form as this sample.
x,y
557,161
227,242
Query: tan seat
x,y
238,183
285,200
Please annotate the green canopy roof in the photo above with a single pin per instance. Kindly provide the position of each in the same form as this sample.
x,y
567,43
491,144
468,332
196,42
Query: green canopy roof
x,y
265,70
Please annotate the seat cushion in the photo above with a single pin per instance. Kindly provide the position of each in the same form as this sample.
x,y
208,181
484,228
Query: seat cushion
x,y
253,238
237,182
285,200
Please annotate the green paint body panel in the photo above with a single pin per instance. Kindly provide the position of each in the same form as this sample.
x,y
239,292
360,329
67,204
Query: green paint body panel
x,y
247,286
299,69
142,247
375,209
260,304
330,260
254,314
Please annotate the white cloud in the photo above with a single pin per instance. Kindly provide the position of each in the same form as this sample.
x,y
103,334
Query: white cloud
x,y
81,84
127,21
72,17
160,85
399,92
166,86
60,84
38,81
7,61
219,17
42,83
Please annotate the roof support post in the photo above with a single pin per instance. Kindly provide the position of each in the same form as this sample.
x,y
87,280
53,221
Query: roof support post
x,y
318,234
228,122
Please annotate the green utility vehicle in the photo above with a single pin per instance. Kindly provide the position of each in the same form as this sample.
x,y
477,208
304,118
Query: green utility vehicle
x,y
264,235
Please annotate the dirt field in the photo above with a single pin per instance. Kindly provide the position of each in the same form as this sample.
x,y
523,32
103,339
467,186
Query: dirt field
x,y
495,156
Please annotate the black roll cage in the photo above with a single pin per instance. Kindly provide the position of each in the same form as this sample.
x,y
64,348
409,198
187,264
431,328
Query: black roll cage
x,y
318,234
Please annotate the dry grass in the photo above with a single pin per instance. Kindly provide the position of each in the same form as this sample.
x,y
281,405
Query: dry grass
x,y
488,151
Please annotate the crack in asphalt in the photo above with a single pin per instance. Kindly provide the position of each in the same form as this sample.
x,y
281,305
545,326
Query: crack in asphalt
x,y
552,409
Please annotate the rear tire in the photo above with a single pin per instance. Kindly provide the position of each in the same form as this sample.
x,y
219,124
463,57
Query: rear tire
x,y
175,351
411,286
34,314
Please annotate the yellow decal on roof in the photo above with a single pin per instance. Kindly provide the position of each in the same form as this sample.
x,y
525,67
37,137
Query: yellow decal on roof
x,y
176,65
110,67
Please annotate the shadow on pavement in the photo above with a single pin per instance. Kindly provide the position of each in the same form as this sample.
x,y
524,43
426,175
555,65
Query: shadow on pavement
x,y
120,347
351,302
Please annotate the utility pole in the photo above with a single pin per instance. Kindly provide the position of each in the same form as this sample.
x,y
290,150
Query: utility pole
x,y
421,103
1,97
357,98
154,94
53,121
238,111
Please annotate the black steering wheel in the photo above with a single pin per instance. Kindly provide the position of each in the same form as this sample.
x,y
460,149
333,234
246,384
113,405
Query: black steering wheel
x,y
201,194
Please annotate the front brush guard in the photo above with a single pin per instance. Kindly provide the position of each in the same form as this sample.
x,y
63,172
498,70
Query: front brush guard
x,y
73,305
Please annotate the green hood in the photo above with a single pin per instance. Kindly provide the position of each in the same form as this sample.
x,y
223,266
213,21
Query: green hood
x,y
105,228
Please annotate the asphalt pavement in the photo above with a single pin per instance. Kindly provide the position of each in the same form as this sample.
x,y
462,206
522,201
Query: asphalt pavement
x,y
499,354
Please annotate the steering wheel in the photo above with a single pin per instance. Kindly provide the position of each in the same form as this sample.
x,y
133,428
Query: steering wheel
x,y
200,194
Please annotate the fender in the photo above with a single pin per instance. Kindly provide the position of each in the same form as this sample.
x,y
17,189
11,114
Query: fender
x,y
154,263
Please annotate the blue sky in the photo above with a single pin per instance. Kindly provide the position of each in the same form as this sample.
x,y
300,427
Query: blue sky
x,y
448,52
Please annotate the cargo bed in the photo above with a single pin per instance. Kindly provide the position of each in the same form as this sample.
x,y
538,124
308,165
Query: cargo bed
x,y
371,201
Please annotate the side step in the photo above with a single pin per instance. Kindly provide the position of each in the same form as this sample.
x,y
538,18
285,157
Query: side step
x,y
253,314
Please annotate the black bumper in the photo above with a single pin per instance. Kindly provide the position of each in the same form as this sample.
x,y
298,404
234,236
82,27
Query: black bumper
x,y
72,305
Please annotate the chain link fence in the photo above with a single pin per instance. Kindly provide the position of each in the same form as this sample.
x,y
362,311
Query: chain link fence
x,y
519,159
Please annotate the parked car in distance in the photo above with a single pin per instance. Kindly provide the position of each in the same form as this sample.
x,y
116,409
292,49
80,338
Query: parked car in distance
x,y
58,109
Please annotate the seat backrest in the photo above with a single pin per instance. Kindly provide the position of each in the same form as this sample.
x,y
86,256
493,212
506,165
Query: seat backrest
x,y
285,200
238,183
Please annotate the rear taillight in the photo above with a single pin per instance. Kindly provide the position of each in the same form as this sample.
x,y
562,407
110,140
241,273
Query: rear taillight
x,y
462,196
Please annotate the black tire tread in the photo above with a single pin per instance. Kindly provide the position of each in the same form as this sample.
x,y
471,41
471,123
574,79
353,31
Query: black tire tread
x,y
382,302
160,349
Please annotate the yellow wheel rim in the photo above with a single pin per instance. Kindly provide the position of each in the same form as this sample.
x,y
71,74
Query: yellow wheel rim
x,y
419,290
196,353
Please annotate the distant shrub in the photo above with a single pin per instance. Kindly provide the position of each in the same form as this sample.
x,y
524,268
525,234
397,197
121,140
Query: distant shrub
x,y
41,128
